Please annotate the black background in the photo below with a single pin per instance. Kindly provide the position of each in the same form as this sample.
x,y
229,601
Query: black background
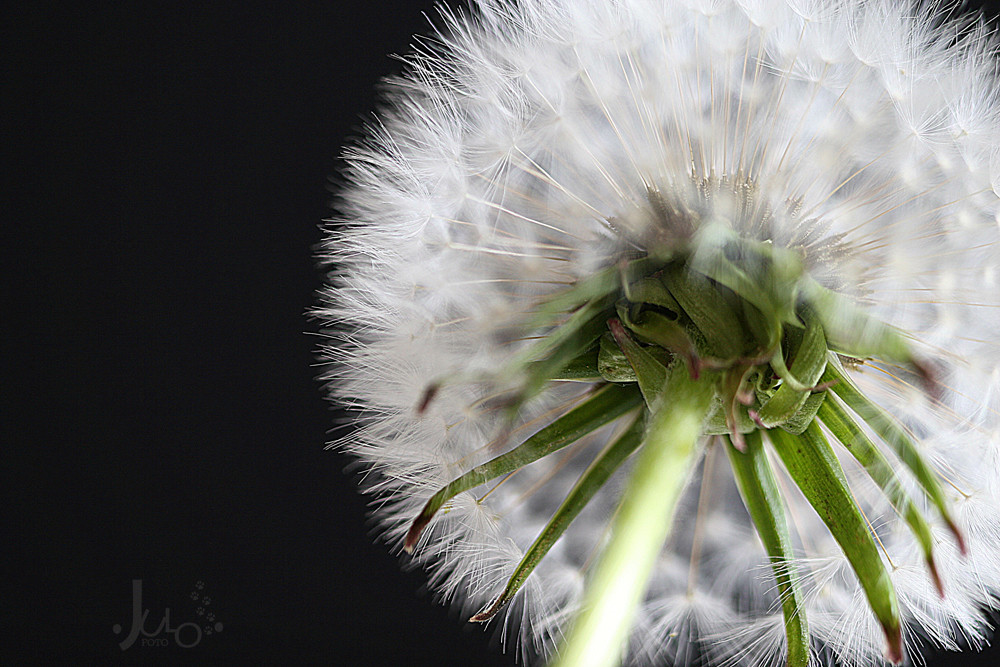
x,y
161,416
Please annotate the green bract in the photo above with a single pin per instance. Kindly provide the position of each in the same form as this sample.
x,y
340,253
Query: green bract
x,y
731,343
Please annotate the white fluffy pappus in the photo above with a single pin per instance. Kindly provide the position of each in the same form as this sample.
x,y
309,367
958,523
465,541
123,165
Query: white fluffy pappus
x,y
515,157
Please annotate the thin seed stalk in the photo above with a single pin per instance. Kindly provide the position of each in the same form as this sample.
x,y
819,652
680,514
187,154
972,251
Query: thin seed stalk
x,y
642,523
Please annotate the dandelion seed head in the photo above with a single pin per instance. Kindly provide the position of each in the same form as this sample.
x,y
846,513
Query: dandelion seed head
x,y
531,145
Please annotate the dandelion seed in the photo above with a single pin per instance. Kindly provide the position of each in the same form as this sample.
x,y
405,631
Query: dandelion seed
x,y
590,247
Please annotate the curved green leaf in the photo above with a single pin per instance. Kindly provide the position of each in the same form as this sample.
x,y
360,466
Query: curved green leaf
x,y
890,431
592,479
602,407
759,490
850,330
652,290
658,329
760,273
834,416
812,464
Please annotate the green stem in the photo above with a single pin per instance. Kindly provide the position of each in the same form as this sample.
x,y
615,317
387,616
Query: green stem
x,y
643,520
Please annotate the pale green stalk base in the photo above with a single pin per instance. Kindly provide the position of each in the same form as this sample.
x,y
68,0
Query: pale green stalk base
x,y
597,637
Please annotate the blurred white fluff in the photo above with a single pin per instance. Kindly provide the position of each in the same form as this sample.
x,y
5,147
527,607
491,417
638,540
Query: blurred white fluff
x,y
488,182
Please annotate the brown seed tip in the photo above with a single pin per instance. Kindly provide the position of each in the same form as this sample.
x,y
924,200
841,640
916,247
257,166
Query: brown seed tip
x,y
694,365
490,611
959,537
425,400
928,378
616,328
894,647
739,442
935,576
823,386
413,535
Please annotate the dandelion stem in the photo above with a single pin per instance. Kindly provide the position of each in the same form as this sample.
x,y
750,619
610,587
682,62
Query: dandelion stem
x,y
597,637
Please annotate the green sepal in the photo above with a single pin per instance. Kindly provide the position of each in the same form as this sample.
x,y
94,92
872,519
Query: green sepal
x,y
613,365
805,415
588,301
649,372
851,331
597,287
651,290
602,407
708,310
840,424
548,357
731,391
809,353
722,422
762,498
582,368
764,326
766,276
893,434
559,355
593,478
813,466
658,329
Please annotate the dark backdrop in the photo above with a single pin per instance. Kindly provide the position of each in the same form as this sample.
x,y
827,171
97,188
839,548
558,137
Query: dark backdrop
x,y
160,414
